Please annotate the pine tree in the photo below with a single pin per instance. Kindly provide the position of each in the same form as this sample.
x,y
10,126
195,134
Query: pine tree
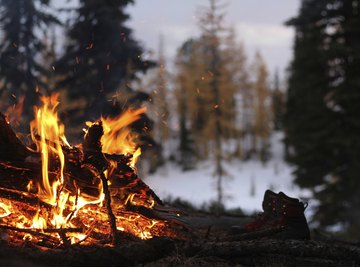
x,y
211,80
262,109
340,199
192,88
48,59
21,24
184,106
160,96
211,26
307,116
235,83
101,57
322,119
278,103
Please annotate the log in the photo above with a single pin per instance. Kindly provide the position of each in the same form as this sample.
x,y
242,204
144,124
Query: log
x,y
294,248
27,198
171,252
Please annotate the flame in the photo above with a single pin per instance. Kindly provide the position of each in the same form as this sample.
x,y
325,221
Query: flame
x,y
135,157
49,136
46,125
118,137
6,210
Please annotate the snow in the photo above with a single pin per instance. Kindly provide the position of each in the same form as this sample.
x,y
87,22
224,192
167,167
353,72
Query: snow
x,y
244,186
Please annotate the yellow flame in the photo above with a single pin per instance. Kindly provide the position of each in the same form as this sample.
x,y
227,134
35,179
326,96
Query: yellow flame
x,y
38,222
135,157
6,210
46,126
118,137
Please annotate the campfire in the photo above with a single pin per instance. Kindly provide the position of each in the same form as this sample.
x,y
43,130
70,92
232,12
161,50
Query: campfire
x,y
55,194
84,205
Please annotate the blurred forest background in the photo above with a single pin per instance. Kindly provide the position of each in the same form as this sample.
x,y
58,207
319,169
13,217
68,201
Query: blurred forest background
x,y
217,103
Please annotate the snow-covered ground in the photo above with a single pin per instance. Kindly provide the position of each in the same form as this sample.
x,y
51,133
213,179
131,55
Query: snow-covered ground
x,y
244,187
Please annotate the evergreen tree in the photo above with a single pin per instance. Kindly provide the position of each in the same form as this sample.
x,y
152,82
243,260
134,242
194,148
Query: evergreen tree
x,y
307,117
101,57
278,103
160,96
192,88
184,106
322,120
340,200
235,81
262,109
20,48
48,59
211,26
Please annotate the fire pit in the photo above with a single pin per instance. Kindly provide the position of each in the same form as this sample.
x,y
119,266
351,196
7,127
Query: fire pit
x,y
54,194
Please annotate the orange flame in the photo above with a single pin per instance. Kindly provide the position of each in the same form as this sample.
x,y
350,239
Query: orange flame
x,y
118,138
46,126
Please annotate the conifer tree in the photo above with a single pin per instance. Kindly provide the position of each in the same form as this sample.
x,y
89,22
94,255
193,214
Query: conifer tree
x,y
235,80
211,26
101,57
184,107
211,79
322,119
21,25
48,59
160,96
278,103
262,109
192,88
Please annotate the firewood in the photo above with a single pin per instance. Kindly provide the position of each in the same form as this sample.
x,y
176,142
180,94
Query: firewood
x,y
28,198
17,170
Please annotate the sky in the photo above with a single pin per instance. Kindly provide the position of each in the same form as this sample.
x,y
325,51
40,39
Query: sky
x,y
259,24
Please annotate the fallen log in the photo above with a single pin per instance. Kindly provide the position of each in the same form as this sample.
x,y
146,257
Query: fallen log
x,y
295,248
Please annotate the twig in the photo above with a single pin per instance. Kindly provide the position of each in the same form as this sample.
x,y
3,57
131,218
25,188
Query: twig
x,y
111,216
76,202
87,233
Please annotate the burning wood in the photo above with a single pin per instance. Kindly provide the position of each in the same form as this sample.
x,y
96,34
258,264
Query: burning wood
x,y
60,194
